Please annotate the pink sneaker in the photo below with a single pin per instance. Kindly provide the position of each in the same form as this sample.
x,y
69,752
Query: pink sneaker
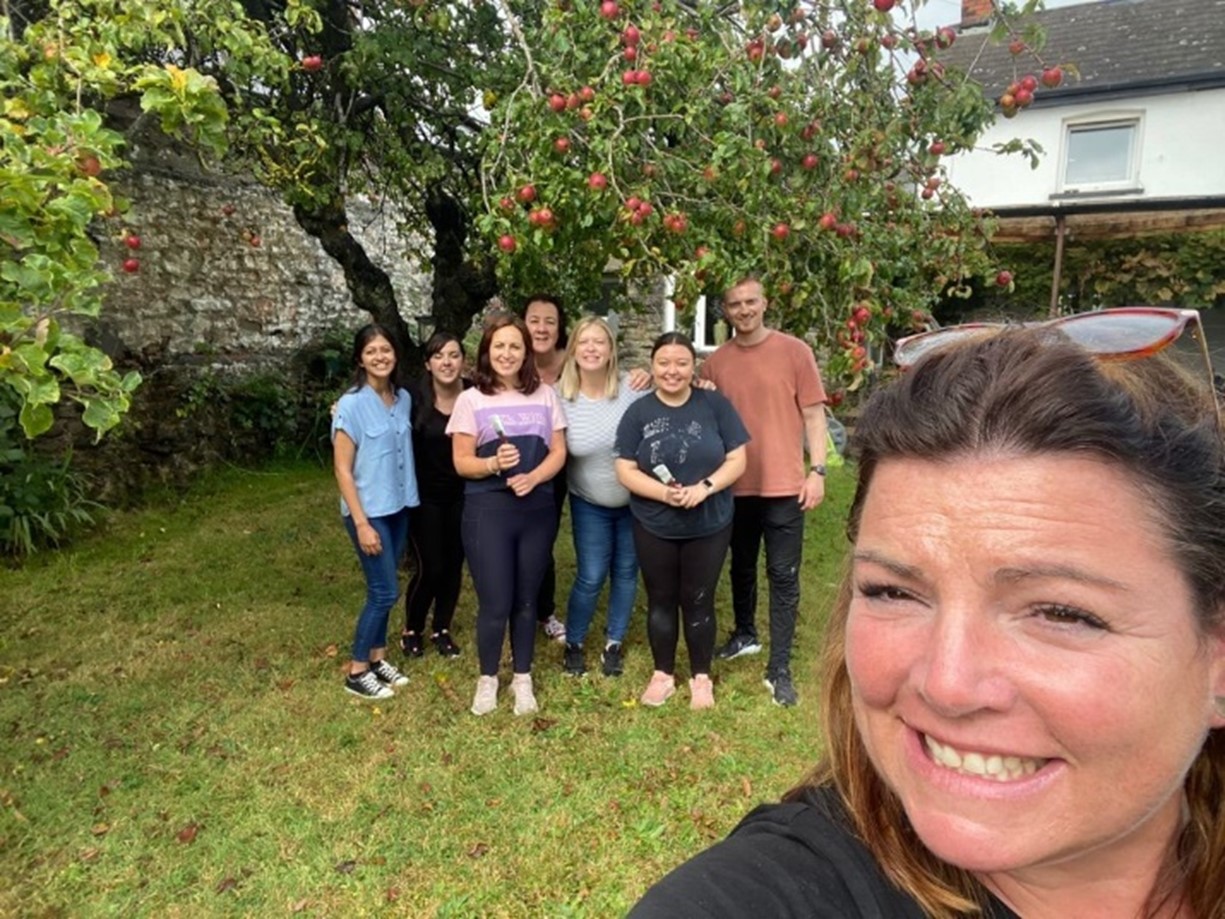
x,y
701,692
659,690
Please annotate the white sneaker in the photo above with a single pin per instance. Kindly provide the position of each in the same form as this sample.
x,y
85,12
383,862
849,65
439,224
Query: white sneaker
x,y
555,629
486,698
525,699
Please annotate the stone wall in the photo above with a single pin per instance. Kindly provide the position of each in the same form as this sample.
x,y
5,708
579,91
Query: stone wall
x,y
227,275
232,300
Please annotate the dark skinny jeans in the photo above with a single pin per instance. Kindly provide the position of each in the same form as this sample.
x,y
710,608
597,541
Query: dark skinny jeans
x,y
680,576
436,548
780,523
507,541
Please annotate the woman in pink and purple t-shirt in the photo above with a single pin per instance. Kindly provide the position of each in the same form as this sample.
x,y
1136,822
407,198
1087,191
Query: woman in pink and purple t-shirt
x,y
508,440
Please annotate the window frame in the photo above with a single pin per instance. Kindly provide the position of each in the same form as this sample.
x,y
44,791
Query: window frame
x,y
1131,182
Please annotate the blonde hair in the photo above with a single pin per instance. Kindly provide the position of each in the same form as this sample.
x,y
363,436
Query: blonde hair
x,y
569,382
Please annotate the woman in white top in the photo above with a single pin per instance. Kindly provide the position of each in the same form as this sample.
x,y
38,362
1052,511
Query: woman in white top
x,y
595,396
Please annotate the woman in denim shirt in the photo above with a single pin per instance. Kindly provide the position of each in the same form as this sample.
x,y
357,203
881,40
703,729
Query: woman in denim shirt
x,y
373,461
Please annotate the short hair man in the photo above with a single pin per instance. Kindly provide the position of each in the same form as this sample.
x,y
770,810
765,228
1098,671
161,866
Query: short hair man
x,y
773,381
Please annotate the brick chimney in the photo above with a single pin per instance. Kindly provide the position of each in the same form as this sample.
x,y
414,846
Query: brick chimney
x,y
975,12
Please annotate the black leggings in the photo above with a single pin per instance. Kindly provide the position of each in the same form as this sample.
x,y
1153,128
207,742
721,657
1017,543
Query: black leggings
x,y
546,599
681,574
437,551
507,541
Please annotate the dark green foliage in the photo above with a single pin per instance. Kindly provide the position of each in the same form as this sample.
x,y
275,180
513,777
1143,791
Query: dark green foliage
x,y
43,502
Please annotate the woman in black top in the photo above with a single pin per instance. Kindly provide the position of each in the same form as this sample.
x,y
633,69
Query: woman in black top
x,y
435,546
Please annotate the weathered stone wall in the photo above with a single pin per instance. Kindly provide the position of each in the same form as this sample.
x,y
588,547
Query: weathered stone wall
x,y
231,294
227,274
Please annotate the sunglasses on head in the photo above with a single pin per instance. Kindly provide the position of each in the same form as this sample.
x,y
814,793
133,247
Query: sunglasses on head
x,y
1119,334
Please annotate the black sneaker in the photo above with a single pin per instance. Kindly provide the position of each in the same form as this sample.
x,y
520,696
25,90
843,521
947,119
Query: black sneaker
x,y
739,645
782,690
411,644
446,647
574,663
367,686
613,660
387,674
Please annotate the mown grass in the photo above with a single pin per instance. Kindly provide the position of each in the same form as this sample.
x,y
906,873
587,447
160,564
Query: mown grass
x,y
174,739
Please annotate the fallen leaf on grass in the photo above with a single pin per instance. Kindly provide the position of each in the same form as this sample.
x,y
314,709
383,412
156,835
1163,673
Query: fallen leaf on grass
x,y
299,906
286,685
540,725
347,866
746,786
445,687
478,850
227,884
331,651
100,829
393,894
88,855
188,833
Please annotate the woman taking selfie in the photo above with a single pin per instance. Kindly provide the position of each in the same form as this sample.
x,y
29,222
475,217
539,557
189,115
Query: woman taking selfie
x,y
508,440
435,544
1024,672
678,451
372,457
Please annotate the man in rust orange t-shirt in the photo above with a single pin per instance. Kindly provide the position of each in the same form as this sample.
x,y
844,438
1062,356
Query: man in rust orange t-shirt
x,y
772,380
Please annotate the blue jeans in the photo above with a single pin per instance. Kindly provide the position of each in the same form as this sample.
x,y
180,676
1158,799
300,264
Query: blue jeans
x,y
603,546
382,587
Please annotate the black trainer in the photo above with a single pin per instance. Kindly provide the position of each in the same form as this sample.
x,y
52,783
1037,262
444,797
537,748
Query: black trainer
x,y
740,644
782,690
613,660
367,686
387,674
411,644
445,646
574,663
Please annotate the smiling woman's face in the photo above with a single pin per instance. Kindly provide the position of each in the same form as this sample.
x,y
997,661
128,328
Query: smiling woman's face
x,y
1027,672
506,355
544,325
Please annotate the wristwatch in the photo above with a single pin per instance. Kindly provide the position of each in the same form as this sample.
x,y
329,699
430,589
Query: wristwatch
x,y
819,469
710,486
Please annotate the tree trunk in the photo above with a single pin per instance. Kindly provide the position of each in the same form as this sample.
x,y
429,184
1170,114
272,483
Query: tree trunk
x,y
461,288
369,284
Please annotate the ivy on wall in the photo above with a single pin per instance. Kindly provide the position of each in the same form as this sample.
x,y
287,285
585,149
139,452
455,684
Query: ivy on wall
x,y
1172,269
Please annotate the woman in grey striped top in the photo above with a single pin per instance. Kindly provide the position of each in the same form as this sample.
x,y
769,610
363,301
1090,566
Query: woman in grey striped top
x,y
594,397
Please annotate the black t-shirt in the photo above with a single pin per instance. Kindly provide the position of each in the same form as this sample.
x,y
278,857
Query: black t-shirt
x,y
437,480
798,860
692,440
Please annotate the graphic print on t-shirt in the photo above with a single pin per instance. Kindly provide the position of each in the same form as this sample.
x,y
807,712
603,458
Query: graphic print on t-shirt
x,y
667,446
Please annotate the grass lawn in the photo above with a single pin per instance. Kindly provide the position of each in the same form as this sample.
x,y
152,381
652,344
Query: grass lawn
x,y
174,738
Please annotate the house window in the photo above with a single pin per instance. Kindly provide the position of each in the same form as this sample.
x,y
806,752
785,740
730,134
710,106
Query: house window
x,y
1102,156
709,325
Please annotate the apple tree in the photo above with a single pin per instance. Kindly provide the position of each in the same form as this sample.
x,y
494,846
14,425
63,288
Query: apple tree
x,y
800,142
383,99
61,65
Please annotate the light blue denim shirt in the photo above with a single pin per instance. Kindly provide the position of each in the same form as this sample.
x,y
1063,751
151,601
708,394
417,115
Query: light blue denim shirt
x,y
383,464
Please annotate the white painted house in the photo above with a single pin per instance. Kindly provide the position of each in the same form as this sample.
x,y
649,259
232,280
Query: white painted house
x,y
1142,128
1134,145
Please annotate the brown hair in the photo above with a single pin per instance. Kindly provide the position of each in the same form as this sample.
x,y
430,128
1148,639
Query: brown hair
x,y
1022,392
484,377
